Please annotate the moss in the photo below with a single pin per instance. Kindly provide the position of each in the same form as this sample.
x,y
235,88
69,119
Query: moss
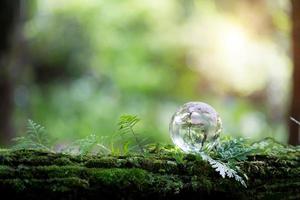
x,y
7,172
33,157
198,182
119,177
156,175
63,184
104,162
134,182
16,185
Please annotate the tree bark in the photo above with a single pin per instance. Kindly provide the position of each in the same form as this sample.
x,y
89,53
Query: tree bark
x,y
9,13
294,137
33,174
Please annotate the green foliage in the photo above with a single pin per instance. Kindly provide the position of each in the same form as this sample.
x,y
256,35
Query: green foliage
x,y
126,126
93,144
226,155
233,149
36,138
127,122
225,169
230,151
89,145
224,158
178,155
161,149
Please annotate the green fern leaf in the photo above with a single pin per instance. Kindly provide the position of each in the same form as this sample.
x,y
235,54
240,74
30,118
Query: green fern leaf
x,y
88,145
233,149
126,125
36,138
224,169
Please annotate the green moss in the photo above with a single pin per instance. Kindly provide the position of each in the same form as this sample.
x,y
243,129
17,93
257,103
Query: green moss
x,y
119,177
103,162
64,184
7,172
142,175
135,180
16,184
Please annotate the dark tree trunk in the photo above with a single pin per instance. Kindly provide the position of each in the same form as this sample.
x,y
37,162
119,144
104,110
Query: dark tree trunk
x,y
294,137
6,107
9,14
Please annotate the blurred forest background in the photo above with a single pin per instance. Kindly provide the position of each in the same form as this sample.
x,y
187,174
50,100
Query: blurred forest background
x,y
75,66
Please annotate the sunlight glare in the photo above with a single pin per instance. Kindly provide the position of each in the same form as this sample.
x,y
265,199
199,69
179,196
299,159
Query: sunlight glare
x,y
233,39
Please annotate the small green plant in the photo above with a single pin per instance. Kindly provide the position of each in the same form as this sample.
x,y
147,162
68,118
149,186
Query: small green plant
x,y
114,144
126,126
36,138
226,155
233,149
89,145
228,169
230,151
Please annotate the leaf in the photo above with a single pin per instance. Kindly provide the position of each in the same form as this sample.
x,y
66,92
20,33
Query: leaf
x,y
223,169
126,147
126,124
234,149
89,145
36,138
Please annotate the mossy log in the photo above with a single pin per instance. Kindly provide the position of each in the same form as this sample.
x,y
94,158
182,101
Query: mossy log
x,y
34,174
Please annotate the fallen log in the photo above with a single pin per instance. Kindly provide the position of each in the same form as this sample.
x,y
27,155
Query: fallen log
x,y
36,174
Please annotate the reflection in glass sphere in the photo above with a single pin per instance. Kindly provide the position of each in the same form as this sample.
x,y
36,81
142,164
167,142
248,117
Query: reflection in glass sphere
x,y
195,126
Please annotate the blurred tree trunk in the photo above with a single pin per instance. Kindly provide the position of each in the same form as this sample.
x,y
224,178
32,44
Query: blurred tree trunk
x,y
295,101
9,14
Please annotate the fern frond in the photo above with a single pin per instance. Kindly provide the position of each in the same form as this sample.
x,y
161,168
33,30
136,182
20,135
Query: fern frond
x,y
224,169
126,124
234,149
88,145
36,138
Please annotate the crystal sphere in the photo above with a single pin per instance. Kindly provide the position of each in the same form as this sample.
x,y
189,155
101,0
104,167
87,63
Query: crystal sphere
x,y
195,126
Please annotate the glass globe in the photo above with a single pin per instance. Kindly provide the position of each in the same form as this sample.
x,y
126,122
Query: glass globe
x,y
195,126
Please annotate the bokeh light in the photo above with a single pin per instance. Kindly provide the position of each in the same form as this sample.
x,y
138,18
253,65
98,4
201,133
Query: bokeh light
x,y
91,61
